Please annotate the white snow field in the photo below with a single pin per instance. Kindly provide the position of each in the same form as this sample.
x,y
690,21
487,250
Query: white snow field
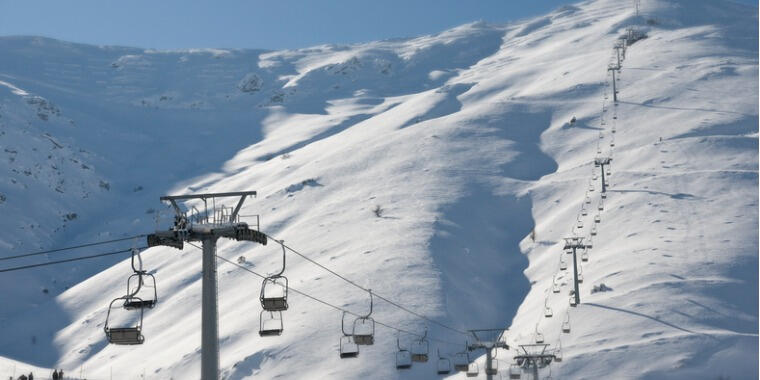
x,y
465,142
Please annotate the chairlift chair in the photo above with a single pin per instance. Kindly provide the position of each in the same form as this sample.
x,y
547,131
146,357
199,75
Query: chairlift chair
x,y
562,264
444,364
591,187
604,195
364,327
593,230
547,309
580,223
566,324
493,369
348,348
515,371
461,361
539,336
597,218
124,335
403,357
555,287
270,323
420,349
572,301
584,255
274,289
473,370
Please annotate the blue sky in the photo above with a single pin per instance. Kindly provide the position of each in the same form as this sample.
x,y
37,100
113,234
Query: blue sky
x,y
272,24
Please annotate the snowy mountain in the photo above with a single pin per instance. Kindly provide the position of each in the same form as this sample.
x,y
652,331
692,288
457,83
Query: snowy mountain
x,y
442,172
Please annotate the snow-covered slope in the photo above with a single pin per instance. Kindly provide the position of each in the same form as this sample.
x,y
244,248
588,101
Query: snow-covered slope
x,y
463,139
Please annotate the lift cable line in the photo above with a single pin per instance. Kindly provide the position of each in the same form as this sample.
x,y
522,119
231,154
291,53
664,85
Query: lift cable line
x,y
338,308
367,290
67,260
72,247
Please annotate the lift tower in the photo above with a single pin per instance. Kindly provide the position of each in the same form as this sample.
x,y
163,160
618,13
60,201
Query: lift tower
x,y
207,227
602,161
488,345
574,243
614,85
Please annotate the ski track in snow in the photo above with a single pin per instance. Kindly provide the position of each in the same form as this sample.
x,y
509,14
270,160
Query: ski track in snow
x,y
464,140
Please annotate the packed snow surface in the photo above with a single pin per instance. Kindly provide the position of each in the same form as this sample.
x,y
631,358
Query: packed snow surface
x,y
442,172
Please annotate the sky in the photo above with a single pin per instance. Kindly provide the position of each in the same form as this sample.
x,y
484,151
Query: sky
x,y
273,24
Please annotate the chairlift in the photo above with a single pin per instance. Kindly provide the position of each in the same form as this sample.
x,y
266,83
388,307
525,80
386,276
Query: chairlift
x,y
139,286
270,323
584,254
555,286
127,333
515,370
572,301
420,349
588,200
600,207
597,218
566,323
580,223
558,351
593,230
348,349
562,264
461,360
444,364
591,187
274,289
403,357
364,327
492,369
604,195
539,336
547,309
473,370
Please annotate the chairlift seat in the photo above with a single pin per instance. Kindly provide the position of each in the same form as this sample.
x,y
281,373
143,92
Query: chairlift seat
x,y
125,335
461,361
272,326
566,327
604,195
364,331
403,359
444,366
539,338
473,370
597,219
572,301
348,349
515,371
563,265
548,312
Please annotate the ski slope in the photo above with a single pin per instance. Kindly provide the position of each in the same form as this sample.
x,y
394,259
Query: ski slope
x,y
464,141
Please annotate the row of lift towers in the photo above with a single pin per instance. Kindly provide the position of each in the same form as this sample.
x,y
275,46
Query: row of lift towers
x,y
208,227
